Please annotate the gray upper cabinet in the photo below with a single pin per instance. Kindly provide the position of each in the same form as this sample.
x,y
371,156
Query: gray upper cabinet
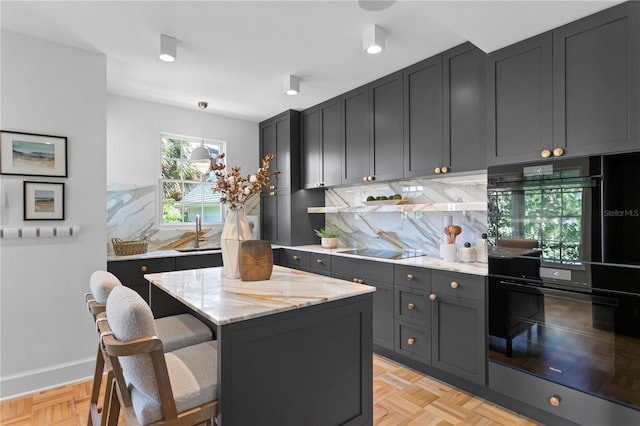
x,y
464,109
386,128
520,114
281,204
423,141
570,92
444,117
321,145
355,126
596,93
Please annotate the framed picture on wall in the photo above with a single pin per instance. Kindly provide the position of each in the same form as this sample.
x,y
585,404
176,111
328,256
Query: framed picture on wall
x,y
43,201
30,154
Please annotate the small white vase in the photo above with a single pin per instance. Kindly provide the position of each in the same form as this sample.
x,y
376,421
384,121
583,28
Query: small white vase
x,y
236,229
329,243
449,252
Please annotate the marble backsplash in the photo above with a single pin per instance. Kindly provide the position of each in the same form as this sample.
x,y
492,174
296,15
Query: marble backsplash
x,y
132,214
434,202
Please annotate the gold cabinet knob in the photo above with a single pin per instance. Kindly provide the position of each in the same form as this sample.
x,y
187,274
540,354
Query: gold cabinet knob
x,y
364,178
558,152
360,281
437,170
319,261
432,297
545,153
355,280
554,400
143,268
444,169
272,193
296,258
316,184
409,277
454,284
410,306
411,341
321,184
272,187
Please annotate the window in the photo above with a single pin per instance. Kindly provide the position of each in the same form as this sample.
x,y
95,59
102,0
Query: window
x,y
186,192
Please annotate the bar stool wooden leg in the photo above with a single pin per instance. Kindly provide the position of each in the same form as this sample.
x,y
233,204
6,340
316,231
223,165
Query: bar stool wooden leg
x,y
94,407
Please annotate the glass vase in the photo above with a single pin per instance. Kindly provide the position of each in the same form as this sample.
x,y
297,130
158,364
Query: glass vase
x,y
236,229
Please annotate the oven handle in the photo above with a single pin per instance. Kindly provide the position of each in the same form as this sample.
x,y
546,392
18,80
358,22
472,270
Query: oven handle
x,y
562,294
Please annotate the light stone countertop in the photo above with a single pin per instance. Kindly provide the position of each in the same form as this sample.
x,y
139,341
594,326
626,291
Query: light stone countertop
x,y
474,268
225,301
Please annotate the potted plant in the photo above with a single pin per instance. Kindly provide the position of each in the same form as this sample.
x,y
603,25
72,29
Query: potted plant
x,y
329,236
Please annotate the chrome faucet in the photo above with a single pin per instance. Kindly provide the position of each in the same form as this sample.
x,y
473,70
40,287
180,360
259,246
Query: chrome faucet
x,y
198,229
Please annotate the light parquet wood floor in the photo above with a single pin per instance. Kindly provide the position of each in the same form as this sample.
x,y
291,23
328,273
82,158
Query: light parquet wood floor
x,y
402,397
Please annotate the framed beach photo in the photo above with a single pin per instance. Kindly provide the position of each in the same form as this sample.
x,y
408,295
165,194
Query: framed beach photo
x,y
29,154
43,201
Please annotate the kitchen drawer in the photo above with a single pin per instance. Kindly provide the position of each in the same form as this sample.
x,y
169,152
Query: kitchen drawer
x,y
320,263
412,277
574,405
413,341
412,306
198,261
348,268
457,284
295,259
132,272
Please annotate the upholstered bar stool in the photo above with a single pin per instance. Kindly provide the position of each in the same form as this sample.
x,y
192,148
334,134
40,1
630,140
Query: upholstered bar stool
x,y
152,386
176,332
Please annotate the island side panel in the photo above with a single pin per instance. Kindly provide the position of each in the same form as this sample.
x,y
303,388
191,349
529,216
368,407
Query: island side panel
x,y
310,366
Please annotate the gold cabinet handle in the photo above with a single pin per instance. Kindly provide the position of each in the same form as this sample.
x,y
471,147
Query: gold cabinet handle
x,y
555,400
432,297
558,152
360,281
319,261
272,193
364,178
437,170
355,280
143,268
444,169
296,258
545,153
272,187
454,284
411,341
409,277
410,306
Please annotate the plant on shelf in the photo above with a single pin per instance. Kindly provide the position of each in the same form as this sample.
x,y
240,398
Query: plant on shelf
x,y
329,236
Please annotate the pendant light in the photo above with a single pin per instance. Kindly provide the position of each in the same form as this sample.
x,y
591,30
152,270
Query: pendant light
x,y
168,48
201,157
373,39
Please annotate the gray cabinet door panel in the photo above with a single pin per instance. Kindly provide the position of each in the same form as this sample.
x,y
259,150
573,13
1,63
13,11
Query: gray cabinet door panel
x,y
423,140
363,269
464,109
330,113
458,337
412,306
356,120
519,101
412,277
311,144
386,127
459,285
413,341
596,82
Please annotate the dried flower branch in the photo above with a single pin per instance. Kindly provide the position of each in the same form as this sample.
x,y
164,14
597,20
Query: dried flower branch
x,y
235,188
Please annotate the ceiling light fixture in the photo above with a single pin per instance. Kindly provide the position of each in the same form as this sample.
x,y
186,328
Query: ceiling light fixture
x,y
373,39
291,85
201,157
168,48
375,5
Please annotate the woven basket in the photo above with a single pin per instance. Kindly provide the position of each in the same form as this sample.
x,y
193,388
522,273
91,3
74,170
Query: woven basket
x,y
125,248
256,260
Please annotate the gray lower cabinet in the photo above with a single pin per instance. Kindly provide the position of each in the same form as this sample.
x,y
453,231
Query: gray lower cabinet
x,y
198,261
131,272
458,325
380,276
317,263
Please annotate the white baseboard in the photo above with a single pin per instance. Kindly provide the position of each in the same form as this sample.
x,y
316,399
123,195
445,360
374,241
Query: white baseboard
x,y
32,381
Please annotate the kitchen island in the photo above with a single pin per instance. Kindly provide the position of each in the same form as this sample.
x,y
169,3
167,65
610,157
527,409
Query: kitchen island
x,y
296,349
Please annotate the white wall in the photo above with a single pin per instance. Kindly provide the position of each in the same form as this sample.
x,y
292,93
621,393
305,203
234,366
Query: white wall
x,y
47,336
133,138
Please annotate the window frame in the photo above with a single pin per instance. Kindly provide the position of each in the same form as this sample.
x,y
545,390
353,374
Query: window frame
x,y
162,180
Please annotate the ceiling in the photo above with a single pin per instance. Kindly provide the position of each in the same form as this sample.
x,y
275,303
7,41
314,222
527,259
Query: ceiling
x,y
235,54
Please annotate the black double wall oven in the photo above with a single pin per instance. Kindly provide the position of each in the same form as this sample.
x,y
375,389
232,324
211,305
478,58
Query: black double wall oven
x,y
564,272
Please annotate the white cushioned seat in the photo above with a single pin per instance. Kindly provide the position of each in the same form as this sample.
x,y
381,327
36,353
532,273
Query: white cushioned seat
x,y
176,331
192,370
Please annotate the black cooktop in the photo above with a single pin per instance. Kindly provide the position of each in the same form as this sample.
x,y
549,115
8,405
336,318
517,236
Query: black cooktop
x,y
385,254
